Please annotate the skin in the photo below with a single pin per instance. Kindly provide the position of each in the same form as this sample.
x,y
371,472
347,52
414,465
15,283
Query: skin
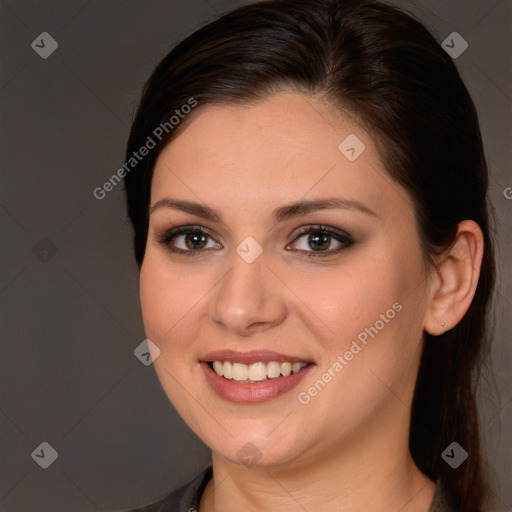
x,y
347,449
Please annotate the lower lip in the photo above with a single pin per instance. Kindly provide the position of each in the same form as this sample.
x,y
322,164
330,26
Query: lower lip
x,y
252,393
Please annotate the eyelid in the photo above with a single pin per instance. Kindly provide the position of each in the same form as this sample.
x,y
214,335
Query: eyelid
x,y
341,236
171,234
313,228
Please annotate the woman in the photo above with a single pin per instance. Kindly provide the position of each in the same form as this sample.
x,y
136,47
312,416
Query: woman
x,y
312,229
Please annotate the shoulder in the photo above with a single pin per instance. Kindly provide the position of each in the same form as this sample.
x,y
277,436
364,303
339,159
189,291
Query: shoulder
x,y
184,499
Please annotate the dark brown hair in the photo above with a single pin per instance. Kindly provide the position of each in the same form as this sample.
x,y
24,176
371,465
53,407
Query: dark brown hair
x,y
383,66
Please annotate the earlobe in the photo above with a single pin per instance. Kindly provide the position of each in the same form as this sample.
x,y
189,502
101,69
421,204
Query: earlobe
x,y
454,286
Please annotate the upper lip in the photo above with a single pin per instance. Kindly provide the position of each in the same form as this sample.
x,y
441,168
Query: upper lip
x,y
253,356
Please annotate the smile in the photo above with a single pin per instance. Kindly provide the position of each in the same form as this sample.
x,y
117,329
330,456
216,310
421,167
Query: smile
x,y
255,372
253,377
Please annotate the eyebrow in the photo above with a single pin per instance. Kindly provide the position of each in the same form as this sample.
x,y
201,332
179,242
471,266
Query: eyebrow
x,y
278,215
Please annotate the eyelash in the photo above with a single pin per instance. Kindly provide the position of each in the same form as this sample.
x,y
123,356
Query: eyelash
x,y
340,236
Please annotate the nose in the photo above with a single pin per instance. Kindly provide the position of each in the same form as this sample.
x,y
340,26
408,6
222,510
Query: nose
x,y
249,298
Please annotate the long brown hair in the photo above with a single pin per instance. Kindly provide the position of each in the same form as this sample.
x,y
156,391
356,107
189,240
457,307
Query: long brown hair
x,y
382,65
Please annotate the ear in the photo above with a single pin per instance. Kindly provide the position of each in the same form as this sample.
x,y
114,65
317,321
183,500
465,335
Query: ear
x,y
453,287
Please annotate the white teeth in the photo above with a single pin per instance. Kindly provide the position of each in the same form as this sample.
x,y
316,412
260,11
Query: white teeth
x,y
273,370
255,372
296,367
218,367
227,369
240,371
286,369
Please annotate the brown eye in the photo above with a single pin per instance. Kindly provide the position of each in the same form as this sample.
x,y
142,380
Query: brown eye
x,y
319,241
187,239
196,240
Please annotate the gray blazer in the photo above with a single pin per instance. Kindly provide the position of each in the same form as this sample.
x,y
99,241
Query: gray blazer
x,y
187,497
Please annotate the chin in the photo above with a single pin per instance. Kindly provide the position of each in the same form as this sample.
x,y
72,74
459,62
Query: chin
x,y
256,451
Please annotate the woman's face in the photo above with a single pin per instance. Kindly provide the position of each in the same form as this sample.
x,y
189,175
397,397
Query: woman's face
x,y
349,298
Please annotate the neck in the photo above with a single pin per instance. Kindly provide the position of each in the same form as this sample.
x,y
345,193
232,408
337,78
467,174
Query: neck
x,y
367,472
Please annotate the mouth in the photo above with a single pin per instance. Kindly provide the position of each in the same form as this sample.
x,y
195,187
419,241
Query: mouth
x,y
255,372
253,377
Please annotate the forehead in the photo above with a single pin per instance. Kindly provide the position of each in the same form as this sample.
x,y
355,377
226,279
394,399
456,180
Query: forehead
x,y
286,147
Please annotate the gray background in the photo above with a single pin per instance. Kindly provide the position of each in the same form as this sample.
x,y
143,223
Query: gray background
x,y
70,316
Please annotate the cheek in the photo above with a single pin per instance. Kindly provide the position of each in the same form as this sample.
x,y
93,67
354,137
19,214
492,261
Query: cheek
x,y
155,301
165,303
374,308
376,302
353,297
166,298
